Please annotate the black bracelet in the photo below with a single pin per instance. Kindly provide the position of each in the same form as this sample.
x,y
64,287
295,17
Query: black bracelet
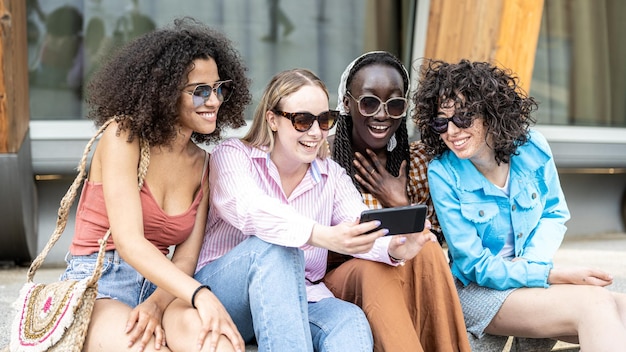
x,y
193,296
396,260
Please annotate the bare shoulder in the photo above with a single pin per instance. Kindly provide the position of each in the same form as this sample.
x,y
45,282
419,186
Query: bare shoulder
x,y
112,151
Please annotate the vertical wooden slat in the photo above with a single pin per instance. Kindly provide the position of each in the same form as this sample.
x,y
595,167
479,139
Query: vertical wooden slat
x,y
18,204
14,110
503,32
4,119
518,37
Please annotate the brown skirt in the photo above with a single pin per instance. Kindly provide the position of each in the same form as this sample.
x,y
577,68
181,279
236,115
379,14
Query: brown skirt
x,y
410,308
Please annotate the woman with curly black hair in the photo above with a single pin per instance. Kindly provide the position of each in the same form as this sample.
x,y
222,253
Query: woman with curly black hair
x,y
413,307
497,194
171,89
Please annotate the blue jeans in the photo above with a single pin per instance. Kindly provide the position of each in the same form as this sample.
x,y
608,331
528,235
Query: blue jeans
x,y
119,280
262,287
337,325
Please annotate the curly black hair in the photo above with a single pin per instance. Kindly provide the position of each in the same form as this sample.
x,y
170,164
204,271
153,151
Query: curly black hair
x,y
480,88
342,151
142,83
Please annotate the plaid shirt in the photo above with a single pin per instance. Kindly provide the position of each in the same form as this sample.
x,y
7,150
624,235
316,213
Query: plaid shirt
x,y
417,185
417,189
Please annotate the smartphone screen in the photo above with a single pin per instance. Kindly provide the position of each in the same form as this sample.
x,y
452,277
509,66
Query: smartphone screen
x,y
398,220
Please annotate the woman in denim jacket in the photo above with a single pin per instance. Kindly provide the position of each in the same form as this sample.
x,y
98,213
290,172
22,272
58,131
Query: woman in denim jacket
x,y
498,198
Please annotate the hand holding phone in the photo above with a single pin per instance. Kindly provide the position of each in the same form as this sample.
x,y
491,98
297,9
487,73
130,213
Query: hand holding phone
x,y
398,220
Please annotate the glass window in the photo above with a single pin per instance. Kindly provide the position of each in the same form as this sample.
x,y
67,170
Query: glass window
x,y
68,39
579,74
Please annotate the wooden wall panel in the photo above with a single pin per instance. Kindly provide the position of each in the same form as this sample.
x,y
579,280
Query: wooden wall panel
x,y
14,110
517,40
503,32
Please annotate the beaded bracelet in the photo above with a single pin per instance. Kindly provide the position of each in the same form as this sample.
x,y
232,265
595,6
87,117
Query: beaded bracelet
x,y
193,296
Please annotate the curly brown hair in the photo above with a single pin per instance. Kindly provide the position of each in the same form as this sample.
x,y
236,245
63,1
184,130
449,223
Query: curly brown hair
x,y
142,83
479,88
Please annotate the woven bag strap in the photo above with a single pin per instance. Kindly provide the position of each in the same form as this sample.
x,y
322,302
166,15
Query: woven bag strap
x,y
68,200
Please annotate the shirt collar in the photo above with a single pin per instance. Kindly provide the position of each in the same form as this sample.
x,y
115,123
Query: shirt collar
x,y
318,167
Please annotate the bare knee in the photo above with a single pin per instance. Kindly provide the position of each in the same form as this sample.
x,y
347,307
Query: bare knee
x,y
597,299
182,326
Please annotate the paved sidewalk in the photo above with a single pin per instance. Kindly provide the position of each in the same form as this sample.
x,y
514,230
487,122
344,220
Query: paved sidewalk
x,y
607,252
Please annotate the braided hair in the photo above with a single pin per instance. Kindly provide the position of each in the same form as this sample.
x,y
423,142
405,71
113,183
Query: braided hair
x,y
341,150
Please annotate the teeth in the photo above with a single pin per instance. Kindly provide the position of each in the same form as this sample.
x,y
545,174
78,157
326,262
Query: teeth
x,y
309,144
379,128
457,143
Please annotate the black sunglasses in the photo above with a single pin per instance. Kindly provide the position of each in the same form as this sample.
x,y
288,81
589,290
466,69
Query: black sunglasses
x,y
461,120
370,105
303,121
202,92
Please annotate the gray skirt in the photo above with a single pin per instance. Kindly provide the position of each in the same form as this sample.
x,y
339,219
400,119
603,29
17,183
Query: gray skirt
x,y
480,305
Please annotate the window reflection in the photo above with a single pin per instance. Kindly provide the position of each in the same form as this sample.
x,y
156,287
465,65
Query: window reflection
x,y
271,36
55,57
579,74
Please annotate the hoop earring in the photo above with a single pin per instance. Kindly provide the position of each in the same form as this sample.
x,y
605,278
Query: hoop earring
x,y
391,145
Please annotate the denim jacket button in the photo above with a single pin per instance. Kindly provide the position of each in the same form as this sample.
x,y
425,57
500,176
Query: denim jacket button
x,y
514,207
481,213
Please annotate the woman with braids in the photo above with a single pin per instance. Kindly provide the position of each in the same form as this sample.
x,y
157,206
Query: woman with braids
x,y
275,190
497,193
171,89
412,307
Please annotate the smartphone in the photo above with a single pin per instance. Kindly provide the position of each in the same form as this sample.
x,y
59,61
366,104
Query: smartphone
x,y
398,220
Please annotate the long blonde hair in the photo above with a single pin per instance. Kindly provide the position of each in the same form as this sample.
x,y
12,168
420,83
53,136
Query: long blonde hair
x,y
281,85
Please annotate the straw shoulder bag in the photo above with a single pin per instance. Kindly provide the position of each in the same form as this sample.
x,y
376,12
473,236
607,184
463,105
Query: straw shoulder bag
x,y
55,316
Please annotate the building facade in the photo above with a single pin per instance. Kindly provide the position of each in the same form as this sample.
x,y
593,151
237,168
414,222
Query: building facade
x,y
567,53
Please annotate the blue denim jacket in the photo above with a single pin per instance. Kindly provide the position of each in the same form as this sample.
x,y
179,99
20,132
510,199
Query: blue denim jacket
x,y
476,217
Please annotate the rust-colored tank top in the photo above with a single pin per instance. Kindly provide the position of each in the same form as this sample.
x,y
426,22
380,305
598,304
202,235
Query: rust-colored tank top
x,y
160,229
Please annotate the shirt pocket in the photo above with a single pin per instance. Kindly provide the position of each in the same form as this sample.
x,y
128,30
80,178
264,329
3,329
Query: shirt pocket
x,y
478,212
528,198
527,208
484,215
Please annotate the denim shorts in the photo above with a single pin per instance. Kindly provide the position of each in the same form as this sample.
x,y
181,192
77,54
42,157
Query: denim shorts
x,y
119,280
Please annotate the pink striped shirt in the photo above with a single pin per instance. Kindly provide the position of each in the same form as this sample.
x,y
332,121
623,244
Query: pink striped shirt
x,y
247,199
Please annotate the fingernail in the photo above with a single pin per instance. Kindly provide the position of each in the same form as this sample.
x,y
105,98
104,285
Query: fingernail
x,y
385,231
402,240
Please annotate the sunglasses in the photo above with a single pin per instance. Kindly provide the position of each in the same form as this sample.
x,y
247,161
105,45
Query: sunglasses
x,y
461,120
370,105
303,121
202,92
